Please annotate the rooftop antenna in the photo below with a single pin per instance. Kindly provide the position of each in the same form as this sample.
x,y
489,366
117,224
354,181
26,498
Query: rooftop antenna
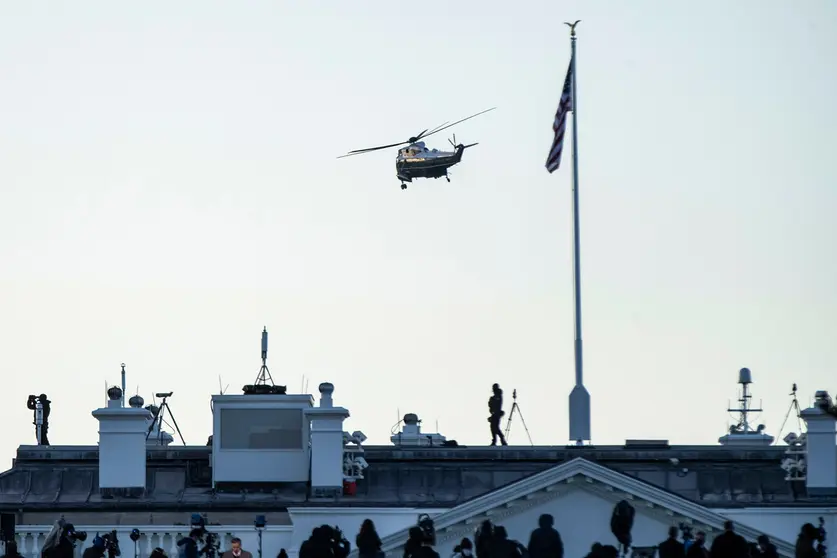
x,y
264,374
123,385
516,407
264,381
745,378
794,406
222,389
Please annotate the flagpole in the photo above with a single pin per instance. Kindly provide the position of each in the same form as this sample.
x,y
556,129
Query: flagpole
x,y
579,396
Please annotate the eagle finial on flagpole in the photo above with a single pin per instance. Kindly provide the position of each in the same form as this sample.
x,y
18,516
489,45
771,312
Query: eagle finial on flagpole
x,y
572,26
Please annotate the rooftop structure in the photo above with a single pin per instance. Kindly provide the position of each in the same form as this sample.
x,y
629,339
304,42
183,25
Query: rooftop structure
x,y
288,457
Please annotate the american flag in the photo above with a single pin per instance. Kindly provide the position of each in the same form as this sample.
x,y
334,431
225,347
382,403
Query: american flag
x,y
560,124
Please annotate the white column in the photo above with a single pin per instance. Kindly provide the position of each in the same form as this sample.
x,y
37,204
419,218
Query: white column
x,y
821,459
122,432
327,445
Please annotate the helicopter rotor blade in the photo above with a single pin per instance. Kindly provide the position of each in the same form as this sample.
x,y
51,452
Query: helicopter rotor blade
x,y
432,131
368,149
445,127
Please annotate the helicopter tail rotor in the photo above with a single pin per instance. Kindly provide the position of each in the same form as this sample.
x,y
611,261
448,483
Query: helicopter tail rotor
x,y
459,145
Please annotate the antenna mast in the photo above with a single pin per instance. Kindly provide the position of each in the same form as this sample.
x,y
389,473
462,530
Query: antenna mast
x,y
264,381
264,374
123,384
745,379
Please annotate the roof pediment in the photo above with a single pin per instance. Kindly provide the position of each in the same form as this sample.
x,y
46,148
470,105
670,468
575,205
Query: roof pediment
x,y
588,476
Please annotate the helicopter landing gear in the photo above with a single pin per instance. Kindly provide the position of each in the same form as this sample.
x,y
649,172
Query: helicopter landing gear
x,y
403,186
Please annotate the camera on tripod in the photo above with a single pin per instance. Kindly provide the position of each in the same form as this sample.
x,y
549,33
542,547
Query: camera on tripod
x,y
211,542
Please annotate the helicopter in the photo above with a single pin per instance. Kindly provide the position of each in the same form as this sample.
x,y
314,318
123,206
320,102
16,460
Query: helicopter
x,y
417,161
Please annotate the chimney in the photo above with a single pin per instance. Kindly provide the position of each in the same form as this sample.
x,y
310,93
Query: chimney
x,y
821,462
327,445
122,433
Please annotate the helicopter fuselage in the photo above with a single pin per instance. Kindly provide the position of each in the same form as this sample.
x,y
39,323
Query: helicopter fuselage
x,y
417,161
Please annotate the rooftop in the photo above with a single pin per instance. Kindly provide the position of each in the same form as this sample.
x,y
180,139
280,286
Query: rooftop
x,y
64,478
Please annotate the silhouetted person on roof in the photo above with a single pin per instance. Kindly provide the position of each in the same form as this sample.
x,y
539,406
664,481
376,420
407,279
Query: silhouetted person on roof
x,y
671,547
368,542
483,538
495,410
545,541
31,404
729,544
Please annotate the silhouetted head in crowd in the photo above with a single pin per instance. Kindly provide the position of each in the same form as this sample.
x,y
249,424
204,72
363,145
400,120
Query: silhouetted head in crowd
x,y
368,542
729,526
673,532
465,547
282,553
367,527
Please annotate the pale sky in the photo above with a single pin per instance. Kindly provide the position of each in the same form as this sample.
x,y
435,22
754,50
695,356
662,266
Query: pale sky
x,y
169,185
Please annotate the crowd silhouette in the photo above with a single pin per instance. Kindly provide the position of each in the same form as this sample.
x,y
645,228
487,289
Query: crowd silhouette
x,y
492,541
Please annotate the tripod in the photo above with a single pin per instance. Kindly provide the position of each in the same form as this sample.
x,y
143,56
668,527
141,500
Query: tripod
x,y
794,405
516,407
159,420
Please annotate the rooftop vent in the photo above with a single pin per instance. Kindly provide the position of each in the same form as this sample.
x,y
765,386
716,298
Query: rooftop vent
x,y
661,444
411,434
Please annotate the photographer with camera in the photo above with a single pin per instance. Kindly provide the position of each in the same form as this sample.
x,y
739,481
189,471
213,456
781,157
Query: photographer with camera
x,y
61,540
96,550
188,546
32,405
